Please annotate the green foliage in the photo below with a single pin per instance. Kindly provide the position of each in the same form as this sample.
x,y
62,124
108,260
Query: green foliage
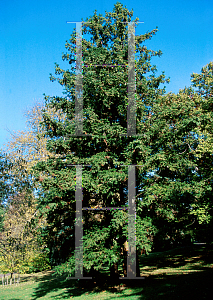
x,y
173,182
204,81
37,262
105,117
20,250
5,166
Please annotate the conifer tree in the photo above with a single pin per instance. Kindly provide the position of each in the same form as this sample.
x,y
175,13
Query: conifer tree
x,y
105,181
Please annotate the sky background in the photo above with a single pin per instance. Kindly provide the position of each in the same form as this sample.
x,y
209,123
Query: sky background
x,y
33,36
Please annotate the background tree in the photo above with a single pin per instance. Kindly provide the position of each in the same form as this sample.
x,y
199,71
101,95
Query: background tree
x,y
20,245
26,148
5,166
181,158
203,85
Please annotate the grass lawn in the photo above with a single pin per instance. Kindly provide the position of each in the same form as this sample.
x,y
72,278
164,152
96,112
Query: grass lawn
x,y
185,273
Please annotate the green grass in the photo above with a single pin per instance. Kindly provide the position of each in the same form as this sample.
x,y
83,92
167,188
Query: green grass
x,y
185,273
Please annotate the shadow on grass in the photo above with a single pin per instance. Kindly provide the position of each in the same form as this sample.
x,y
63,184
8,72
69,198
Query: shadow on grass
x,y
195,285
179,257
75,288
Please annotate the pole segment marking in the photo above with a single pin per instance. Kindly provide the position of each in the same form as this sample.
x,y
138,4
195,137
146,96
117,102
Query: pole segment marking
x,y
78,83
131,111
131,257
78,226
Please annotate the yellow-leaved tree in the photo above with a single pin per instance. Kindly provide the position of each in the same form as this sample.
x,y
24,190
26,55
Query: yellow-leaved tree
x,y
20,249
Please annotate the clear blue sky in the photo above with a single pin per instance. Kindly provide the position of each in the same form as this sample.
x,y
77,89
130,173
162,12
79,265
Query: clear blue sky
x,y
33,36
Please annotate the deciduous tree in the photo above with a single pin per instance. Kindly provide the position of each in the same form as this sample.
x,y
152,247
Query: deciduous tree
x,y
19,247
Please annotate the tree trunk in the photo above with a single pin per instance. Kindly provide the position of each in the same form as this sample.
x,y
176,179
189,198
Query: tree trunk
x,y
125,264
11,278
114,271
125,253
137,264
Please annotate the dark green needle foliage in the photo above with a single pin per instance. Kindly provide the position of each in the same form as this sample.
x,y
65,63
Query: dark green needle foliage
x,y
168,180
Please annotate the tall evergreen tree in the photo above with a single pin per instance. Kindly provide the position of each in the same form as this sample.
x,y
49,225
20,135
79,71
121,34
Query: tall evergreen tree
x,y
105,181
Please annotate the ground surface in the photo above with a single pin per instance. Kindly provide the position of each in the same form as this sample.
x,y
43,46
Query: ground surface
x,y
185,273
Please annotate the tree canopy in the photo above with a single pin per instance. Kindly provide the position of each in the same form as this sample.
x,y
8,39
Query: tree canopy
x,y
105,118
